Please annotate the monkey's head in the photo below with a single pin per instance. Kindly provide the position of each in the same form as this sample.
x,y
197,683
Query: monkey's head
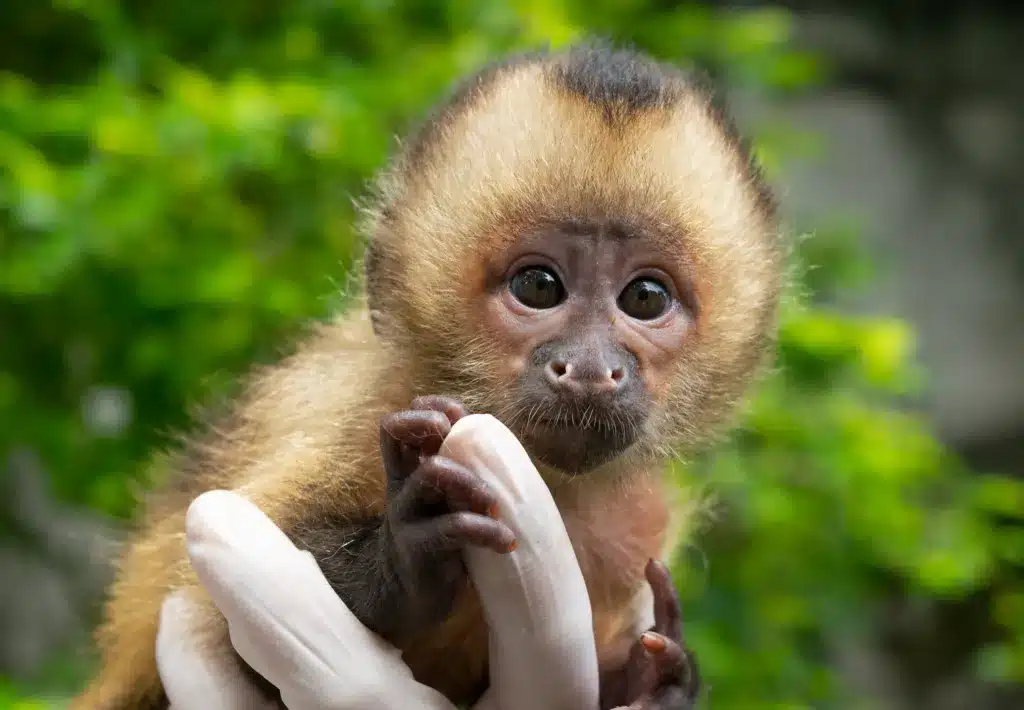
x,y
578,243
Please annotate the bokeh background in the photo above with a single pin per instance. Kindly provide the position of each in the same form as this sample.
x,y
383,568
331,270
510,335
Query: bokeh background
x,y
176,184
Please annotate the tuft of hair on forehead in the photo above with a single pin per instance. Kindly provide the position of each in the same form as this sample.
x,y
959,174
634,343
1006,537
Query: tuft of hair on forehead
x,y
622,83
596,134
592,132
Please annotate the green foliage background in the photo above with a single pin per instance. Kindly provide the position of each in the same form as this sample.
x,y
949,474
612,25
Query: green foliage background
x,y
175,200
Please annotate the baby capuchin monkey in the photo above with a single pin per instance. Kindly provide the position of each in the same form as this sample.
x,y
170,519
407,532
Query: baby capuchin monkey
x,y
576,242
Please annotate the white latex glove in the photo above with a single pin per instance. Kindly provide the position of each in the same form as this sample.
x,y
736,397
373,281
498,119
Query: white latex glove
x,y
285,621
290,626
542,650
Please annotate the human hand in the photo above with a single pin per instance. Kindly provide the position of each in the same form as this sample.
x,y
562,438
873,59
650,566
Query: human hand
x,y
285,622
289,625
541,638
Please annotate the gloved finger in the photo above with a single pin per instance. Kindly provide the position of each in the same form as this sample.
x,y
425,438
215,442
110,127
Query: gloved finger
x,y
542,647
194,677
285,619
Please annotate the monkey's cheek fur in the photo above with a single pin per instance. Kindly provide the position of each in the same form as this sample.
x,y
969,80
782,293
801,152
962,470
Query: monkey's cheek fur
x,y
542,647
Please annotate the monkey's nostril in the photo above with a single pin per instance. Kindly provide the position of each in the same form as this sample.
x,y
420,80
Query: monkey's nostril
x,y
617,375
559,369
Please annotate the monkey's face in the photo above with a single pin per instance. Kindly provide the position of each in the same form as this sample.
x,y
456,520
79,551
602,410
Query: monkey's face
x,y
589,319
580,246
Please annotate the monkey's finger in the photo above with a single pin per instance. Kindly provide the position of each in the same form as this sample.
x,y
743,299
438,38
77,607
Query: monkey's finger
x,y
407,436
658,666
449,406
447,533
667,657
675,664
667,615
675,681
641,672
669,623
442,480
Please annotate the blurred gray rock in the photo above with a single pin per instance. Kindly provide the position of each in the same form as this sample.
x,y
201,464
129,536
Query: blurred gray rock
x,y
53,568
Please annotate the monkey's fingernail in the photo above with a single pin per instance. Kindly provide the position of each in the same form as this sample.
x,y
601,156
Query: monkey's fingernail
x,y
655,643
513,546
492,512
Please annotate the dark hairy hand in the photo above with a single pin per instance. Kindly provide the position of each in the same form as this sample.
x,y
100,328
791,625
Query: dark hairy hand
x,y
435,507
661,673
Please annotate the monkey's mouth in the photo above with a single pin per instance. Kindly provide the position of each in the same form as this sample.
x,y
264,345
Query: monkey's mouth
x,y
577,444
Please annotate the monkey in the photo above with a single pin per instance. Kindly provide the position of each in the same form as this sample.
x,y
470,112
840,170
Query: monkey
x,y
577,241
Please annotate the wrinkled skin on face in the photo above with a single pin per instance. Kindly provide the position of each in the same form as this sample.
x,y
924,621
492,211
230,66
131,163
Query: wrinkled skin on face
x,y
589,317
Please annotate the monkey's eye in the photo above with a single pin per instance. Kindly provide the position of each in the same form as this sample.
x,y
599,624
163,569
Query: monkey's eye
x,y
644,299
537,287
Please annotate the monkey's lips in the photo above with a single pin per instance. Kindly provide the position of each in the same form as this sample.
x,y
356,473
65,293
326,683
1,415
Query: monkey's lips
x,y
577,445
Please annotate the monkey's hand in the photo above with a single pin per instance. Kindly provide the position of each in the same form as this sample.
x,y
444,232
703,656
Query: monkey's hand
x,y
661,673
435,508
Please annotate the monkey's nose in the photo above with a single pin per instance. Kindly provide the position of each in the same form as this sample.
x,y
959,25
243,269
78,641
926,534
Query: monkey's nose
x,y
583,378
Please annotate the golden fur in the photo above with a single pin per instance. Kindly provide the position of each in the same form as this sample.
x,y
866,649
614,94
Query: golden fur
x,y
519,143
